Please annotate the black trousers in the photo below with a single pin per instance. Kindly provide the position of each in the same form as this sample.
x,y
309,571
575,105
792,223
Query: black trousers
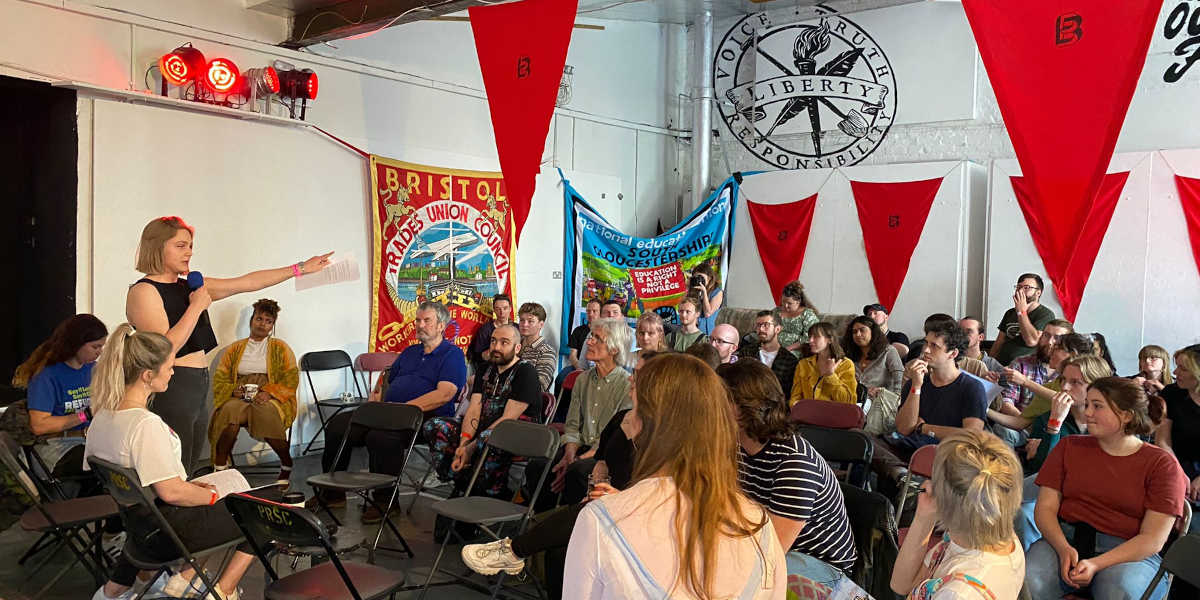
x,y
186,407
385,448
574,484
550,536
198,527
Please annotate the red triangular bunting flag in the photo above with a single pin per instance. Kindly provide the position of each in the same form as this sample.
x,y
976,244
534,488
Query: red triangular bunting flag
x,y
1063,73
522,47
892,216
1070,272
781,231
1189,197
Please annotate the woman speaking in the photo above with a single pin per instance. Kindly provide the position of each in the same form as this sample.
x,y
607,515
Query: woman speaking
x,y
165,302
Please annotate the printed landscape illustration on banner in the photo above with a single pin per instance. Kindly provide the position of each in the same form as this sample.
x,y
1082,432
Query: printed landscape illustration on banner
x,y
439,234
813,95
642,274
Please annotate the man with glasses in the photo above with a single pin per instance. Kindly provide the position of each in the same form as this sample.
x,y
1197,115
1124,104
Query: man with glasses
x,y
766,348
1021,327
725,339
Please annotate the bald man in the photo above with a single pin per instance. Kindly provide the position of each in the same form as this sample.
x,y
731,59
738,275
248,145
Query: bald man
x,y
725,339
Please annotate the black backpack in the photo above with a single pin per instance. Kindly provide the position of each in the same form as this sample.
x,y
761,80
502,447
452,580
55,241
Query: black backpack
x,y
15,422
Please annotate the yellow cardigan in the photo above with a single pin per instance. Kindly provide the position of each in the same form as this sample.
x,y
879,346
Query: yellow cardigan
x,y
839,387
281,370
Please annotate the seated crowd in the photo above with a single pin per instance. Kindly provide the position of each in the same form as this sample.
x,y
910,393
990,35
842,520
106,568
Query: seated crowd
x,y
680,471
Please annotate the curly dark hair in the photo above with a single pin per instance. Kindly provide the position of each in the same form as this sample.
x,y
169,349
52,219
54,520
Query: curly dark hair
x,y
704,351
267,307
952,335
761,407
879,343
795,291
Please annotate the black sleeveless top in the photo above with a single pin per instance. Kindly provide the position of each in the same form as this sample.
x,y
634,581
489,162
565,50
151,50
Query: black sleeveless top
x,y
175,302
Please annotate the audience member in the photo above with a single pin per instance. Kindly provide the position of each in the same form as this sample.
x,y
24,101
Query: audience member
x,y
1107,501
134,366
705,286
428,375
507,389
578,339
534,348
649,333
163,302
1154,371
880,315
1179,433
267,363
1021,326
915,347
614,461
797,315
973,495
766,348
58,375
706,353
683,529
598,394
938,399
688,332
1066,417
1067,346
826,374
783,472
876,362
611,309
975,335
725,339
481,342
1100,348
1020,381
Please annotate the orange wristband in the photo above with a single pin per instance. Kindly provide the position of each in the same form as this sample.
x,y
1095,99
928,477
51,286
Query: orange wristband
x,y
213,500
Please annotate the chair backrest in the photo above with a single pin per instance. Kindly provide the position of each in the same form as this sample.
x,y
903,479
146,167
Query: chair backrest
x,y
9,456
842,449
373,362
549,405
325,360
122,483
1183,558
823,413
921,462
388,416
870,516
524,439
569,382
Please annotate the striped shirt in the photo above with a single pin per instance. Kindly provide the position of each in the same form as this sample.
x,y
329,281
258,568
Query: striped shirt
x,y
544,357
791,480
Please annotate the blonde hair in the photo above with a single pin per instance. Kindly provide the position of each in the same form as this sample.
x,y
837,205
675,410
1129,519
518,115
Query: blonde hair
x,y
1154,351
681,400
126,355
977,483
1091,366
1189,359
155,235
656,322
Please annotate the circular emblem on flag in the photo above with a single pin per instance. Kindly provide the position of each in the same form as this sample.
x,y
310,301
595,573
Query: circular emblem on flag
x,y
810,95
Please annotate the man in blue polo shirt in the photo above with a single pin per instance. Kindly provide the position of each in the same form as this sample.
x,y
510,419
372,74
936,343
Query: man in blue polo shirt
x,y
428,374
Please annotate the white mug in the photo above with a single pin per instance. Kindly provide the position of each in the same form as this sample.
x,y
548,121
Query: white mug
x,y
249,391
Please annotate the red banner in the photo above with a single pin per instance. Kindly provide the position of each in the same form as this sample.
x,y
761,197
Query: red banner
x,y
781,232
1074,268
1189,197
1064,73
892,216
522,47
439,234
659,286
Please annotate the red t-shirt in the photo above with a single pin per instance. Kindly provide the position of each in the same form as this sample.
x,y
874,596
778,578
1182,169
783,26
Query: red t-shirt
x,y
1113,493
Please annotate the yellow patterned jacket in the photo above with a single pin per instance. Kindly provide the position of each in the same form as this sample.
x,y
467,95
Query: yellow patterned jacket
x,y
281,370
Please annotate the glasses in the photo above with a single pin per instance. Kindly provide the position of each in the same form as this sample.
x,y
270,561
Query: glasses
x,y
718,340
1026,288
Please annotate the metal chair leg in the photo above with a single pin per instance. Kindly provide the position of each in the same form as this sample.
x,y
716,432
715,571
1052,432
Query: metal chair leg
x,y
438,560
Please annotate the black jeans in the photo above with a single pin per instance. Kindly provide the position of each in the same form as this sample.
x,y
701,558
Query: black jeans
x,y
198,527
574,484
385,448
186,407
550,536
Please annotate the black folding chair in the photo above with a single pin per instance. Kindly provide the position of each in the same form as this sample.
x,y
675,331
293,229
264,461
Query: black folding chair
x,y
76,524
519,438
329,360
1181,560
267,523
845,450
138,503
384,416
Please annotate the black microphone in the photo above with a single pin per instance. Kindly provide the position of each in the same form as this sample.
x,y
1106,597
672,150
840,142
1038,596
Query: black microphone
x,y
195,280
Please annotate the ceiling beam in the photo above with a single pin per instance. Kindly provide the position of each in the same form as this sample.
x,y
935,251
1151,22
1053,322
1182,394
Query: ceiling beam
x,y
354,17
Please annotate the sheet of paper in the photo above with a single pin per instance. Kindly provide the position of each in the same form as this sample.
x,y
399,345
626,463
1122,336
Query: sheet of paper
x,y
341,269
229,481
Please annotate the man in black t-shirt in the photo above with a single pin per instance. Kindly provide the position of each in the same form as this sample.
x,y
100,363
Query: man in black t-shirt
x,y
1022,325
580,334
879,313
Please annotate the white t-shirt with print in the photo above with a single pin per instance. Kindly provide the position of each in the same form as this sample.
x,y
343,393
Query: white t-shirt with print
x,y
139,439
1003,574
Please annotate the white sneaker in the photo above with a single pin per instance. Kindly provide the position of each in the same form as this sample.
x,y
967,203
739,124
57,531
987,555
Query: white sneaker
x,y
178,587
432,481
126,595
489,559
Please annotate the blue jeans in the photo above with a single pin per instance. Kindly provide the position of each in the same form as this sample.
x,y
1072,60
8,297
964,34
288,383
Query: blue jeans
x,y
814,569
1025,526
1119,582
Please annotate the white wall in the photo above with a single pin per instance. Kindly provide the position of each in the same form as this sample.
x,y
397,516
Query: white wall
x,y
835,273
265,195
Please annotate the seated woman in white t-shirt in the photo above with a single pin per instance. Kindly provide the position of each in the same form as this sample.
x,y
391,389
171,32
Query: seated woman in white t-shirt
x,y
683,529
974,493
133,366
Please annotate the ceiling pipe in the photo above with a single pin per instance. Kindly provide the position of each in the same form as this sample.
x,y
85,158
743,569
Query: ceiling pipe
x,y
702,102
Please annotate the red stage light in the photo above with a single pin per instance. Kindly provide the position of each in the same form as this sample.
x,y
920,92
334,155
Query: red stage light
x,y
299,84
181,65
221,75
312,84
263,81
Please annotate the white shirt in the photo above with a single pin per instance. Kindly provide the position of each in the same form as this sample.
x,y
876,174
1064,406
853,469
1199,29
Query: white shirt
x,y
645,516
136,438
254,357
1003,574
767,357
